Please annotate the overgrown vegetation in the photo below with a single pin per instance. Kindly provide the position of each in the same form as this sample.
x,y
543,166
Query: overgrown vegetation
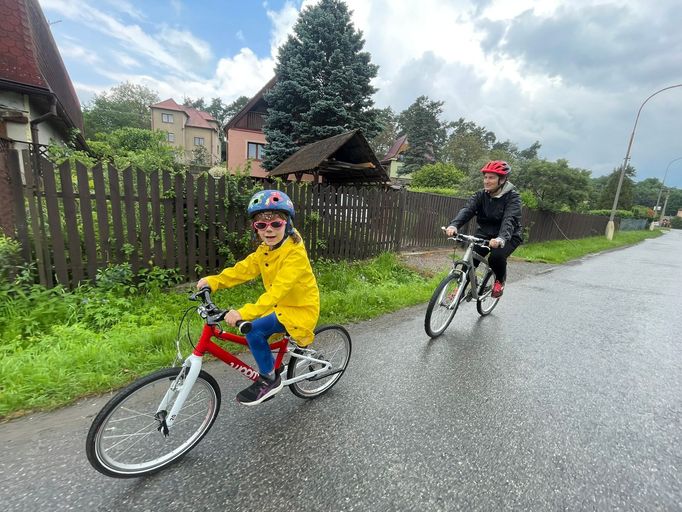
x,y
58,345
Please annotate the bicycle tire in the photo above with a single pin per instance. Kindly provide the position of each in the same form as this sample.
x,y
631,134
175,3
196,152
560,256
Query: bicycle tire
x,y
332,343
485,303
436,320
125,430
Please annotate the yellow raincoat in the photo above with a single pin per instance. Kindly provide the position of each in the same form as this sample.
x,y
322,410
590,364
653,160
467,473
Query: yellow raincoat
x,y
290,287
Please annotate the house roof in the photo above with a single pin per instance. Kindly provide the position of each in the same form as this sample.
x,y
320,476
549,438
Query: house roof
x,y
252,103
346,158
195,117
398,147
30,61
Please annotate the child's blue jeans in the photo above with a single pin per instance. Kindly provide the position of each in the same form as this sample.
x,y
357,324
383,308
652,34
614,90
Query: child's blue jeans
x,y
257,338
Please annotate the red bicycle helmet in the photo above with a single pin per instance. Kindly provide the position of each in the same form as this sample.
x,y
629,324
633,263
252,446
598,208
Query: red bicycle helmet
x,y
498,167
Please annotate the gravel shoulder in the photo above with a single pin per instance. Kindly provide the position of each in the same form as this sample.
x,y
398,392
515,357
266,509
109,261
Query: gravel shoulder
x,y
438,260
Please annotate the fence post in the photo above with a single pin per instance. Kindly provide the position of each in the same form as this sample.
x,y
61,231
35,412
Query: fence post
x,y
399,226
6,199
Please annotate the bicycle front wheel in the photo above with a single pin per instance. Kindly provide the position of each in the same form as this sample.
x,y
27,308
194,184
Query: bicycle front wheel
x,y
126,439
444,302
332,344
486,303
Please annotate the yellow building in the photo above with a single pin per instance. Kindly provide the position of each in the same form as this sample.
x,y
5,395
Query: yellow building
x,y
191,130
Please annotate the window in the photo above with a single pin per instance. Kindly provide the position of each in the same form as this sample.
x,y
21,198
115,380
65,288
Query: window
x,y
167,118
255,151
198,141
170,136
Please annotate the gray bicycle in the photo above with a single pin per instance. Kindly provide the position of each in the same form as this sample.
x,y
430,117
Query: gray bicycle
x,y
465,282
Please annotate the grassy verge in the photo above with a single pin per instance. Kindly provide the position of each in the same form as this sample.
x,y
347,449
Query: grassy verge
x,y
561,251
58,346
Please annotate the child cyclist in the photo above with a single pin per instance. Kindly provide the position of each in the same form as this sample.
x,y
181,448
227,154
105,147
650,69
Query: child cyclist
x,y
291,301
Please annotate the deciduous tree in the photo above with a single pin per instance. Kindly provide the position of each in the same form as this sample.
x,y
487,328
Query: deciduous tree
x,y
124,106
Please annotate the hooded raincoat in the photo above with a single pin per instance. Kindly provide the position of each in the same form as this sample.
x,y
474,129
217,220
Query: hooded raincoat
x,y
290,287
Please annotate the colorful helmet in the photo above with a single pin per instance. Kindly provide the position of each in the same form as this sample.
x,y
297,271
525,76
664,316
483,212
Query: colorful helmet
x,y
498,167
271,201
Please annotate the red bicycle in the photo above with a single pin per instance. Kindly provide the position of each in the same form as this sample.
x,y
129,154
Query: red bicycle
x,y
157,419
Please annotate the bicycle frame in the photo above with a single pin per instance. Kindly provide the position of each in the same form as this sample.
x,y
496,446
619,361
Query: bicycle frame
x,y
193,363
469,256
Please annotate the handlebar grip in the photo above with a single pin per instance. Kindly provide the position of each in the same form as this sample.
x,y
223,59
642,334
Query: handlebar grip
x,y
244,326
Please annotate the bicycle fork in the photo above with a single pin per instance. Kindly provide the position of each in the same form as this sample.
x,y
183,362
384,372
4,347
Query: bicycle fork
x,y
185,381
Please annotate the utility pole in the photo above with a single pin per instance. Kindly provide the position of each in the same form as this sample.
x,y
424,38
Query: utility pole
x,y
610,227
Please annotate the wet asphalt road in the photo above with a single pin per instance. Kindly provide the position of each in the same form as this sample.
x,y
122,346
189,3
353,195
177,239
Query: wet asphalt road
x,y
567,397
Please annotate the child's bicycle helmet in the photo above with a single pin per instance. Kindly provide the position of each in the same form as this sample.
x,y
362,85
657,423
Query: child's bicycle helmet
x,y
273,201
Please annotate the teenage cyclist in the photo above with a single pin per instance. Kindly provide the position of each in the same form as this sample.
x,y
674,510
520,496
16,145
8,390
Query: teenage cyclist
x,y
498,213
291,302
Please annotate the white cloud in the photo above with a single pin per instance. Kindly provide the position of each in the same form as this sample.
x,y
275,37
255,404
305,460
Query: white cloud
x,y
79,53
184,42
132,37
126,60
282,23
126,7
177,7
240,35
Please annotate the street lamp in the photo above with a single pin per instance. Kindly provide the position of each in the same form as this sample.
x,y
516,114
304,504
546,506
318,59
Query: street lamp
x,y
610,226
658,200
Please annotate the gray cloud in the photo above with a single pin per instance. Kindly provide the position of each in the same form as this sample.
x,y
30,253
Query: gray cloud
x,y
601,46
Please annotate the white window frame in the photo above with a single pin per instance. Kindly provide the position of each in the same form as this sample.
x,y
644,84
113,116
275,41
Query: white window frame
x,y
201,141
166,118
170,137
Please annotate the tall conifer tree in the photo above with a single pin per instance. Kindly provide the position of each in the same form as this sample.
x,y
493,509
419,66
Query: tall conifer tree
x,y
425,133
323,83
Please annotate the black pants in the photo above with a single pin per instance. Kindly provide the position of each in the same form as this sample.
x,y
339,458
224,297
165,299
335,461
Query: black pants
x,y
498,257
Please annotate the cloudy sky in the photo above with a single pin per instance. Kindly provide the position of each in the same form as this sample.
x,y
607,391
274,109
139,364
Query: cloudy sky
x,y
570,74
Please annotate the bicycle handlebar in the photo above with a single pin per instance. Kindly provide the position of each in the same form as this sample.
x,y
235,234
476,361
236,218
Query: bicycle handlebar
x,y
459,237
212,313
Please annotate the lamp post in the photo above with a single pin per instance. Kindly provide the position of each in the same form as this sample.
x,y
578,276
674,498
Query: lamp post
x,y
610,226
660,192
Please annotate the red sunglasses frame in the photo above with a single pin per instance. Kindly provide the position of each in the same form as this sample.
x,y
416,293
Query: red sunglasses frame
x,y
269,224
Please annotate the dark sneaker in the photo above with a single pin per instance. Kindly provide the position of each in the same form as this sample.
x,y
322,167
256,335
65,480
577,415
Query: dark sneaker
x,y
259,391
498,290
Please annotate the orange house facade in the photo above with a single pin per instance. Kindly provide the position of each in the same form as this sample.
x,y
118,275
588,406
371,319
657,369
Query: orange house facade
x,y
245,137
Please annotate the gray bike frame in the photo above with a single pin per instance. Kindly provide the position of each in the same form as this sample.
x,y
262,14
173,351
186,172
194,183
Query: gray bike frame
x,y
469,256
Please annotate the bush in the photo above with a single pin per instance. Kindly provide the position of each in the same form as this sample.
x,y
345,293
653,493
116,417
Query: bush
x,y
676,222
623,214
10,257
438,175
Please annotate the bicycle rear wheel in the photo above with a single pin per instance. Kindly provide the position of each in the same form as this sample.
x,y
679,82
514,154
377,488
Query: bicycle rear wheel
x,y
125,439
445,301
485,303
332,343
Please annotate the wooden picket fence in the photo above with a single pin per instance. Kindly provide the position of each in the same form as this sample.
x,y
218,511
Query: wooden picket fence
x,y
73,222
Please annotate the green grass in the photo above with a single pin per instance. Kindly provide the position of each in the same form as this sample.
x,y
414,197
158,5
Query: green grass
x,y
561,251
59,346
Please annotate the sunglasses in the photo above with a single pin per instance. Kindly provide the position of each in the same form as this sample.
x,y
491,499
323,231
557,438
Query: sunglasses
x,y
275,224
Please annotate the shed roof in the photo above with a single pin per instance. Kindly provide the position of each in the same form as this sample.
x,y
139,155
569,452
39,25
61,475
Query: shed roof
x,y
346,158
